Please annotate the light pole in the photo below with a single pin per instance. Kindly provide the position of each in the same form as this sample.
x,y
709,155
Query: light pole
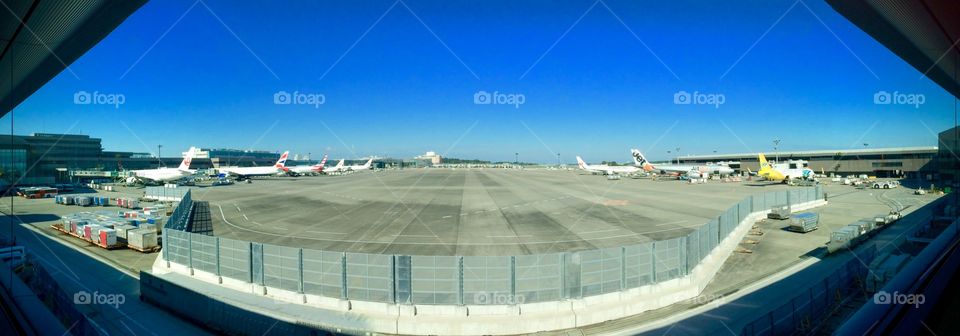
x,y
558,160
159,161
678,155
516,159
776,146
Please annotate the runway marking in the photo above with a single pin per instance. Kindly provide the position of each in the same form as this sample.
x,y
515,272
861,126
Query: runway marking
x,y
325,232
245,217
448,216
514,236
417,236
599,231
677,222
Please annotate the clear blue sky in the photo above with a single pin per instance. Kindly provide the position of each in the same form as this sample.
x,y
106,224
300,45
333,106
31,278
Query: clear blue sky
x,y
207,77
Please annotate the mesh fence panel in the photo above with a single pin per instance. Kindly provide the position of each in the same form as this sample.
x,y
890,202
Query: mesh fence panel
x,y
781,198
235,259
693,250
486,279
281,267
638,262
668,259
435,279
539,277
370,277
706,247
178,246
743,209
323,273
714,232
600,271
204,252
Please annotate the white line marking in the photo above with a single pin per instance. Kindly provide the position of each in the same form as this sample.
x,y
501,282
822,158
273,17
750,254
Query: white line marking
x,y
448,216
671,223
325,232
598,231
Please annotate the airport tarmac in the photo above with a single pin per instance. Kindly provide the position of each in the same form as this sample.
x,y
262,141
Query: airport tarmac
x,y
467,211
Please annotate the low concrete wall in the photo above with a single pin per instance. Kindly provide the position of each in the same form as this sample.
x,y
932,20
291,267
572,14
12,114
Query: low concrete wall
x,y
341,315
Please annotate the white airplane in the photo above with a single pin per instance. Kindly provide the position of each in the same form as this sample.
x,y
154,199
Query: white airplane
x,y
338,168
247,172
691,171
605,169
364,166
165,174
315,169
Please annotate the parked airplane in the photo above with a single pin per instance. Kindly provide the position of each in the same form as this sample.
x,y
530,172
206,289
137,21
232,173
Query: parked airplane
x,y
364,166
165,174
314,169
338,168
691,171
605,169
247,172
785,171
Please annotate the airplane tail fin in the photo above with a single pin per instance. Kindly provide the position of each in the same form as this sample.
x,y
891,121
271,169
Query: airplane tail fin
x,y
367,165
339,164
640,161
282,162
583,165
763,160
319,166
185,164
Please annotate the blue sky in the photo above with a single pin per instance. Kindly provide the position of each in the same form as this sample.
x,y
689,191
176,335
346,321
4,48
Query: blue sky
x,y
399,78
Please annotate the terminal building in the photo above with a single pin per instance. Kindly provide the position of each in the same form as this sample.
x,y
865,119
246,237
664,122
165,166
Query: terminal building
x,y
906,162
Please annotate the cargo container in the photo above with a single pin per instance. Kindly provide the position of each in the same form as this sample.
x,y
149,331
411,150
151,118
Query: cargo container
x,y
804,222
108,238
779,212
143,240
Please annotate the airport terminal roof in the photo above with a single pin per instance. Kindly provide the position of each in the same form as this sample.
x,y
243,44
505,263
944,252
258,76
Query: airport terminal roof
x,y
924,33
830,152
39,39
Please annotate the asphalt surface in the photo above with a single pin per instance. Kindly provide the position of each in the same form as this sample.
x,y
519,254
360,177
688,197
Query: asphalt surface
x,y
466,211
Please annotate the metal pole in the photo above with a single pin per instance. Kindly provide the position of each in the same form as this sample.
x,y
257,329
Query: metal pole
x,y
159,161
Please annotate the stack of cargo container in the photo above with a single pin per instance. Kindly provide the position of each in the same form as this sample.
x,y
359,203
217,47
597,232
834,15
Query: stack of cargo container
x,y
129,203
82,200
111,229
